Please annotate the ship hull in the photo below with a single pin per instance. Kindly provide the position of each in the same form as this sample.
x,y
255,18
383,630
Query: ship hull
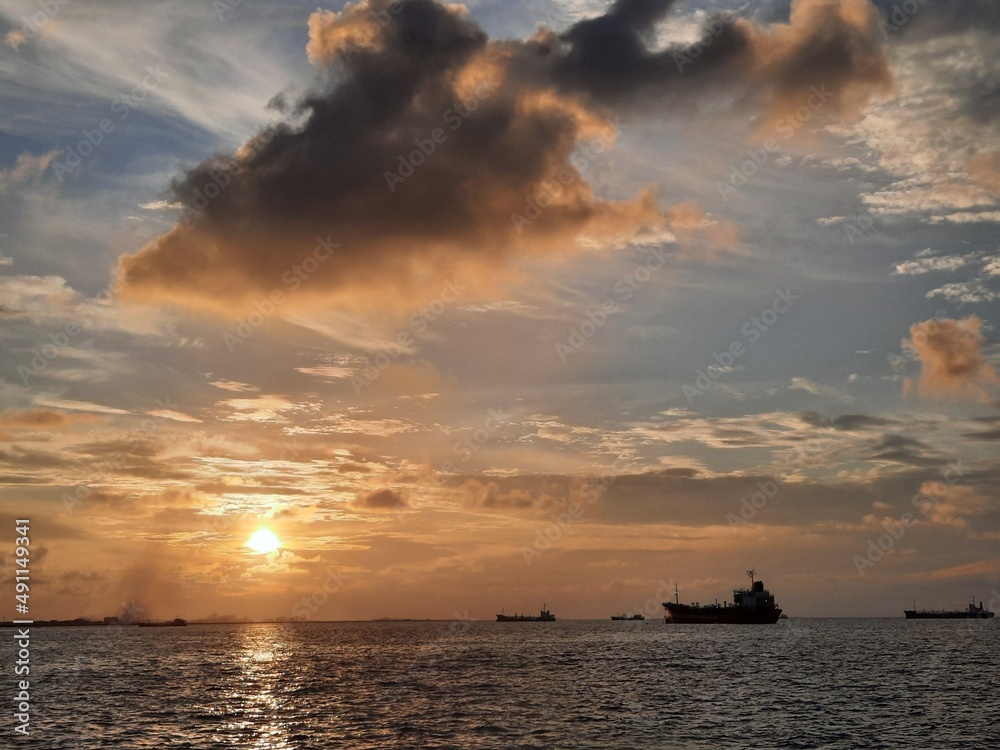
x,y
524,618
684,614
960,615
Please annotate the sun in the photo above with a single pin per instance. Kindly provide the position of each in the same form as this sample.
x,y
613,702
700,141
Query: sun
x,y
263,541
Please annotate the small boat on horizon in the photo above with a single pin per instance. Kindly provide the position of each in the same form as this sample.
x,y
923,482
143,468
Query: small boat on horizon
x,y
636,616
543,616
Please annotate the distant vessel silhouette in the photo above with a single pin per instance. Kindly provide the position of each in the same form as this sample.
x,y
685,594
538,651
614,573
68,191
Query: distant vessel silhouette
x,y
175,623
752,606
973,612
636,616
543,616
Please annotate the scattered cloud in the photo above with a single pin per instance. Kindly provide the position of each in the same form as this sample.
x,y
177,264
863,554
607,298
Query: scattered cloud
x,y
161,206
952,363
327,371
385,499
39,419
26,169
258,409
804,384
172,414
926,264
233,385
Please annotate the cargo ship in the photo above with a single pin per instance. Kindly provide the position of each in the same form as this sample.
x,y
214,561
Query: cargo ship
x,y
972,613
636,616
752,606
543,616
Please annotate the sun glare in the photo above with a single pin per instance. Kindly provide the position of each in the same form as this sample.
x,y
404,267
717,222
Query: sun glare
x,y
263,541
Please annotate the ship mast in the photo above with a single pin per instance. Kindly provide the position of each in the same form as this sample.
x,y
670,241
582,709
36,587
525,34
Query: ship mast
x,y
677,594
750,573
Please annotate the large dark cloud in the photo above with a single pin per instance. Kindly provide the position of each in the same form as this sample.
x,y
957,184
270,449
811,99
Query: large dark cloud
x,y
770,69
424,150
610,57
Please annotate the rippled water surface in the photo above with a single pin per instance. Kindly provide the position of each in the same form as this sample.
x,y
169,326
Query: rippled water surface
x,y
796,684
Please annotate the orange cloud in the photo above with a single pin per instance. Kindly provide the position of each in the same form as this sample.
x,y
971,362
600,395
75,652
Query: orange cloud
x,y
952,364
984,169
775,71
827,46
39,419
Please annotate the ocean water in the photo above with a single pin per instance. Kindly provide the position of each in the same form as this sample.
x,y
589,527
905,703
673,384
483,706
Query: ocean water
x,y
851,683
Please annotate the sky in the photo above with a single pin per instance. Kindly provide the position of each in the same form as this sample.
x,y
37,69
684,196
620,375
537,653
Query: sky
x,y
499,305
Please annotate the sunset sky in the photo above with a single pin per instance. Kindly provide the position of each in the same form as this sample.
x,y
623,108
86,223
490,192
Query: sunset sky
x,y
499,305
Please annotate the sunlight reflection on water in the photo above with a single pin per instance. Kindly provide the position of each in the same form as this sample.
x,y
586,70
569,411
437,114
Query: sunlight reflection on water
x,y
256,696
